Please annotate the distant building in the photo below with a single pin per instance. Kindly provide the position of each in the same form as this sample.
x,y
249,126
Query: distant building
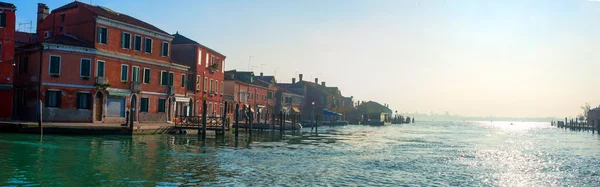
x,y
288,101
593,116
249,92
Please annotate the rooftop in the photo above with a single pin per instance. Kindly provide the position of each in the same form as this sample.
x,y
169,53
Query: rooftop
x,y
181,39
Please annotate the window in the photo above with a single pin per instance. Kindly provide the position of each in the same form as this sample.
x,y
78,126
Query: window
x,y
124,75
126,40
211,86
102,35
205,84
85,67
54,68
135,74
161,105
147,75
198,80
148,45
182,80
270,95
222,85
100,68
53,98
84,100
163,78
137,43
171,78
206,62
62,17
212,60
47,34
199,57
190,82
248,96
165,49
3,19
144,104
217,86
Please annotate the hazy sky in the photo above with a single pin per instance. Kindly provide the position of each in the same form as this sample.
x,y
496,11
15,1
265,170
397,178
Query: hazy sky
x,y
521,58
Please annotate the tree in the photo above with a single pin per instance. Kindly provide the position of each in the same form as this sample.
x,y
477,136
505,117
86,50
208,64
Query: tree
x,y
586,108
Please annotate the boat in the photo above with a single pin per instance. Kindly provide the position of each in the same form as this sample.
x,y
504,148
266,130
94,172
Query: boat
x,y
377,119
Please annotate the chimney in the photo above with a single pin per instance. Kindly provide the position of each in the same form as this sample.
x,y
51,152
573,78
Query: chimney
x,y
293,80
42,12
300,77
261,75
316,80
323,83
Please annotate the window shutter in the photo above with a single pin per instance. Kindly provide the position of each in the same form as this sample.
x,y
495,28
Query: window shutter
x,y
89,100
171,77
3,19
58,99
47,98
79,95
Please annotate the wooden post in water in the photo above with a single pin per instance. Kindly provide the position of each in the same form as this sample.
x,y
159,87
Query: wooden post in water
x,y
204,109
273,121
224,118
281,123
40,117
237,120
251,116
317,124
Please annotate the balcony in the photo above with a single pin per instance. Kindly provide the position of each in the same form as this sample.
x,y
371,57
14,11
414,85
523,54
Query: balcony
x,y
136,87
101,80
171,90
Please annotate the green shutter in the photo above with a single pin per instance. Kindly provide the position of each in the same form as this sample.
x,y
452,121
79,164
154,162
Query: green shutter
x,y
58,99
89,100
79,101
47,98
100,69
182,81
3,19
171,77
163,78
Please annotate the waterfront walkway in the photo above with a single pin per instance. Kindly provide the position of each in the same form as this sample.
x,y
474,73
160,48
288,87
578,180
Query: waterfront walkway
x,y
85,128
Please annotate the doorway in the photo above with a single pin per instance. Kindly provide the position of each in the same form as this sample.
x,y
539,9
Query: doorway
x,y
99,109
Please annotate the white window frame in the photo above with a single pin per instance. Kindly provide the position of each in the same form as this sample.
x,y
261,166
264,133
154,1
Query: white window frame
x,y
132,68
100,39
207,58
223,66
205,84
141,43
161,77
90,67
217,86
98,67
123,42
222,85
162,49
199,57
198,81
50,64
126,71
144,76
211,86
151,46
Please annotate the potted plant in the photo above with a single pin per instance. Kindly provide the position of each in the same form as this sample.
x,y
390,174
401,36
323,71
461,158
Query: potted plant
x,y
214,67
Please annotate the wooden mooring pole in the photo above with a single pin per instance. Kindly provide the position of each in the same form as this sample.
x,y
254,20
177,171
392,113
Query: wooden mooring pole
x,y
224,118
281,123
317,124
237,120
204,109
251,116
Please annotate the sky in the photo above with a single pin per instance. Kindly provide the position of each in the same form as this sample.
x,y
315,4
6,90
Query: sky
x,y
511,58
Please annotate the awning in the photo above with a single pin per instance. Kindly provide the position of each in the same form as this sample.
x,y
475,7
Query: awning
x,y
295,109
118,92
182,99
330,113
5,87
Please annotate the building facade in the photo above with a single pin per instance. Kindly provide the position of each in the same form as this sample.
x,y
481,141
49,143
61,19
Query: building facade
x,y
206,73
7,64
91,64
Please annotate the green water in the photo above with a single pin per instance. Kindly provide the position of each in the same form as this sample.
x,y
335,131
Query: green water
x,y
422,154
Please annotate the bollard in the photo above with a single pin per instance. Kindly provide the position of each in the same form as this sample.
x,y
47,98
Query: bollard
x,y
237,120
317,124
281,123
204,120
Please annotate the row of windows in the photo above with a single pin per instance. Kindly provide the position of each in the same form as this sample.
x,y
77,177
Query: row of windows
x,y
212,86
127,40
54,99
254,96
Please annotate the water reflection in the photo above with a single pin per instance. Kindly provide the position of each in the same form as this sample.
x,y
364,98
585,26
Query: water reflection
x,y
455,154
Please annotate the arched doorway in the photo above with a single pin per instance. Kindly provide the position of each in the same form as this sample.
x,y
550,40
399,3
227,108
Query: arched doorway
x,y
133,108
99,106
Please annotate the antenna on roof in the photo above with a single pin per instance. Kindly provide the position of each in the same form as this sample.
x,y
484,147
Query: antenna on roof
x,y
23,27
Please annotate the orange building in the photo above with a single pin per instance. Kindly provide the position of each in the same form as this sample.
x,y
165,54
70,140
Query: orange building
x,y
7,64
97,65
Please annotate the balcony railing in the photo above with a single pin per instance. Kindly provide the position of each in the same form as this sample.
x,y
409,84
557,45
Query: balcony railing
x,y
101,80
136,87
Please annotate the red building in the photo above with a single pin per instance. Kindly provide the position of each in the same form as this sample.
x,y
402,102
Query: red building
x,y
249,92
97,65
206,70
7,64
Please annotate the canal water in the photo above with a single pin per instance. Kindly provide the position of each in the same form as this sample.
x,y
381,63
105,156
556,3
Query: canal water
x,y
423,154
